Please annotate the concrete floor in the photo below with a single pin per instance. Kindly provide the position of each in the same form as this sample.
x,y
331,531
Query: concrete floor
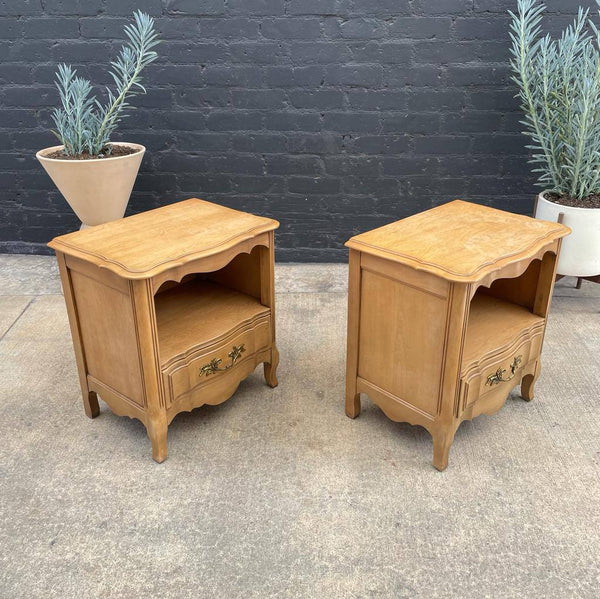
x,y
276,493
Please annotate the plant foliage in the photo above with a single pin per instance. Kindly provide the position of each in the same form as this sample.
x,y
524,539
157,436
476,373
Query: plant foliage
x,y
559,90
83,123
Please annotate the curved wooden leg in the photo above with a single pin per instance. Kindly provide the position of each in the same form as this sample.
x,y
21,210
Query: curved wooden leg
x,y
442,441
270,368
528,383
352,404
157,432
90,404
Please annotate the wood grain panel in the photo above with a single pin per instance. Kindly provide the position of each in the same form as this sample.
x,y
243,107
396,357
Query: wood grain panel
x,y
108,333
98,274
242,273
460,241
409,276
150,243
520,290
401,350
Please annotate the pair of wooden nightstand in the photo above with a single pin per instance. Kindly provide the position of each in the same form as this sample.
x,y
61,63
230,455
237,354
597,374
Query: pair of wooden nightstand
x,y
172,308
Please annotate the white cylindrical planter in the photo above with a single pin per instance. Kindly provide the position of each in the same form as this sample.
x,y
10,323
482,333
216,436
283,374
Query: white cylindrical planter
x,y
580,251
97,190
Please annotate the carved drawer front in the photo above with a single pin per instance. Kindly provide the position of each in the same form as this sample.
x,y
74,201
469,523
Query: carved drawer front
x,y
204,365
500,370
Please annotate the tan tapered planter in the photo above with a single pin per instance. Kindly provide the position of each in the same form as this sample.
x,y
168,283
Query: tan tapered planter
x,y
97,190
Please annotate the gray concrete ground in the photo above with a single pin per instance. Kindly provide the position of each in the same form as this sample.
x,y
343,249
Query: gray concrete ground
x,y
276,493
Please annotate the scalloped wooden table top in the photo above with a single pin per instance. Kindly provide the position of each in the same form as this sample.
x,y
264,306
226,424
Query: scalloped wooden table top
x,y
149,243
459,241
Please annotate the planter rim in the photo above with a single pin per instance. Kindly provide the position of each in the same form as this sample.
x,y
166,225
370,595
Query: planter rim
x,y
41,154
542,196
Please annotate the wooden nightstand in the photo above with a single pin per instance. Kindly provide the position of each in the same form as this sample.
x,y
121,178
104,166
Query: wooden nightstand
x,y
446,314
169,309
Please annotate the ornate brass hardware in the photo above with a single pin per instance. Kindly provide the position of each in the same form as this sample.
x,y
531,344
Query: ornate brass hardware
x,y
214,365
498,376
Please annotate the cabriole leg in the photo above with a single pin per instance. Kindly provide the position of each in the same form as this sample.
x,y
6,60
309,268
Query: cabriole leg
x,y
528,383
270,368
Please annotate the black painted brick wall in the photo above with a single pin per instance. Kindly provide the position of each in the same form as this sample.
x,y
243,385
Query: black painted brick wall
x,y
333,116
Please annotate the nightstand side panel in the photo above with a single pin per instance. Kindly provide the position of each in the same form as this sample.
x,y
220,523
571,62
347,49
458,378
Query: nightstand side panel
x,y
106,323
401,339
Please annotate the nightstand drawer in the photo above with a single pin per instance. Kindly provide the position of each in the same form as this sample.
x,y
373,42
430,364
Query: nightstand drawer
x,y
500,370
205,365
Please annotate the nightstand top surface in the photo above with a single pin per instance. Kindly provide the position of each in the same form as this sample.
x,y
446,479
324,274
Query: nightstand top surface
x,y
460,241
143,245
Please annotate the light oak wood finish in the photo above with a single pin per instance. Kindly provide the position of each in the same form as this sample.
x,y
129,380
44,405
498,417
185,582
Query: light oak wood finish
x,y
169,310
446,314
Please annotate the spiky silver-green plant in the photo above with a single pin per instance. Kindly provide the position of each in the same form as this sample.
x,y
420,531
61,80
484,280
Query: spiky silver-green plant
x,y
83,123
559,90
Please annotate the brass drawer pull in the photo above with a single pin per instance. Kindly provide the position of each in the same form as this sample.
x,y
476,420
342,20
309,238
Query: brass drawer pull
x,y
213,365
498,376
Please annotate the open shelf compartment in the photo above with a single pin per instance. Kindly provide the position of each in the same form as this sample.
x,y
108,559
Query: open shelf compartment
x,y
205,308
493,325
195,313
501,314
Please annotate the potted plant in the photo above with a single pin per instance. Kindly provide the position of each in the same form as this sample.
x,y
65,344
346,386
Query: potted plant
x,y
559,90
93,174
